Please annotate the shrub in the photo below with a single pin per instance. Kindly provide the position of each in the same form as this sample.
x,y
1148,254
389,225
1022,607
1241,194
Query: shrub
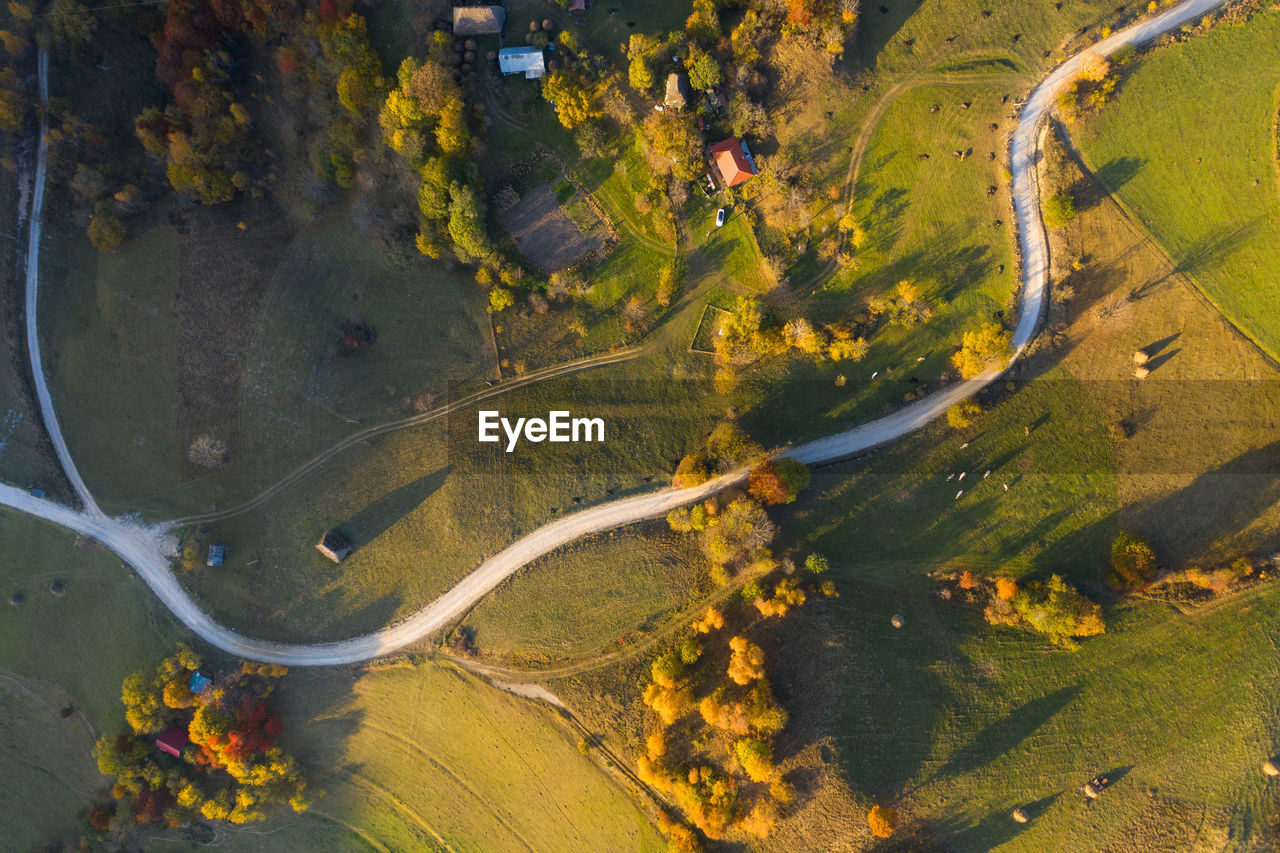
x,y
1132,560
1006,588
982,350
756,758
1059,210
777,481
1056,609
816,563
961,415
883,821
692,471
746,662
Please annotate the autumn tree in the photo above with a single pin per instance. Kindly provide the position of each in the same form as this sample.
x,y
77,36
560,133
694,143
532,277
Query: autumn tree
x,y
746,662
575,95
1054,608
1059,210
1133,563
673,145
961,415
778,480
882,820
983,350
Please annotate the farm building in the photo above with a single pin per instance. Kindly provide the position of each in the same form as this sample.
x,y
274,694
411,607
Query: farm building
x,y
217,553
333,546
199,683
478,20
579,5
733,161
172,740
677,91
522,60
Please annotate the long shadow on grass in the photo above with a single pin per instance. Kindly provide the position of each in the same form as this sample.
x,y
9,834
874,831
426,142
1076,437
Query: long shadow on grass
x,y
1007,732
879,22
372,521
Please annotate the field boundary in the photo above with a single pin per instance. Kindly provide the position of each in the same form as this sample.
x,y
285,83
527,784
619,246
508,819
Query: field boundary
x,y
709,309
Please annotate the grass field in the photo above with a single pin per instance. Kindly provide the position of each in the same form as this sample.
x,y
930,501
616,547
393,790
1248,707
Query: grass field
x,y
57,652
633,579
425,758
1198,169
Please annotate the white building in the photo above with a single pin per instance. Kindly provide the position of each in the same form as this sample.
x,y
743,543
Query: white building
x,y
522,60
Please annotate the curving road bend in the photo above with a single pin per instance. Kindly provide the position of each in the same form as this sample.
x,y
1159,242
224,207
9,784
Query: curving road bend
x,y
144,548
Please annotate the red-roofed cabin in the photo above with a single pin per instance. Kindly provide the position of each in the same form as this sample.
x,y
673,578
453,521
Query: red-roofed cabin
x,y
734,161
172,740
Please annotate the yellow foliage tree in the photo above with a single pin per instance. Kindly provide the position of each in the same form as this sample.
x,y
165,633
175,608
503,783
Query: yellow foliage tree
x,y
746,663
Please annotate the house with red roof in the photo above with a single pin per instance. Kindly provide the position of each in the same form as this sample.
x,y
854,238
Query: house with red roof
x,y
172,740
733,161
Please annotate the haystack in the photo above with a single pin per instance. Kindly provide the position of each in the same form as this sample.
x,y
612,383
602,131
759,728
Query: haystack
x,y
898,620
58,588
1270,767
1141,357
17,598
1020,816
1141,373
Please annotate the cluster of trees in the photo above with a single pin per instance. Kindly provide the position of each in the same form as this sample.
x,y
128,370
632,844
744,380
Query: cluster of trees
x,y
715,716
1218,579
747,334
231,770
1093,85
1051,607
15,100
905,306
727,448
332,80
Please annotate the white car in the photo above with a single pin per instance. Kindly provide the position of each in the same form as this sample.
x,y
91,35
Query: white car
x,y
720,218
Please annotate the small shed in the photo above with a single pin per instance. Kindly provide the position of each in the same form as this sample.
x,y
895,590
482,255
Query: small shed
x,y
172,740
733,161
528,61
478,20
677,91
217,553
333,546
199,683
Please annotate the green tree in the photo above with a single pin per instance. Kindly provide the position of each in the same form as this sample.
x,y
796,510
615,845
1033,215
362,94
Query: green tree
x,y
1132,560
704,73
1059,210
1056,609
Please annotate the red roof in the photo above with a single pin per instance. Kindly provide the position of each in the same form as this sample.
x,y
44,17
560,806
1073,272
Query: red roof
x,y
172,740
733,159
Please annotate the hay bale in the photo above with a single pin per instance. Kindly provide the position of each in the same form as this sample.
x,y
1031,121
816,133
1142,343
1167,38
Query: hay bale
x,y
898,620
469,57
1020,816
548,25
491,55
1141,357
1091,791
17,598
469,44
1270,768
533,26
1141,373
58,588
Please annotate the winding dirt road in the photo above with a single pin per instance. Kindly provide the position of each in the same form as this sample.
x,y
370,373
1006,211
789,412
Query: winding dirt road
x,y
144,548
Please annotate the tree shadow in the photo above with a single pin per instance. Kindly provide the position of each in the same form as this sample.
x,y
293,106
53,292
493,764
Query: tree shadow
x,y
879,22
1153,349
1216,247
1007,732
1119,171
1154,364
374,520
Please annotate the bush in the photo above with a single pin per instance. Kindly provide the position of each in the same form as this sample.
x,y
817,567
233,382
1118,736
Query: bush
x,y
982,350
1056,609
883,821
1059,210
1133,563
777,481
816,563
961,415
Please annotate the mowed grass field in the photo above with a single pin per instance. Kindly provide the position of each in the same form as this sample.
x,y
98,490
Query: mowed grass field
x,y
59,652
1189,145
633,579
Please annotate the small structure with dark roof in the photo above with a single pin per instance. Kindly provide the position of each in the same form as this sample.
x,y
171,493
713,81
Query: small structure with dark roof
x,y
528,61
478,20
733,161
677,96
217,553
199,683
333,546
172,740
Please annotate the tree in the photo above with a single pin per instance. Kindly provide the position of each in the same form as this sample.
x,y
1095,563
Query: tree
x,y
573,96
961,415
983,350
466,223
640,73
704,73
882,820
756,758
673,145
1132,560
500,299
106,231
666,285
692,471
1056,609
816,563
778,481
1059,210
746,661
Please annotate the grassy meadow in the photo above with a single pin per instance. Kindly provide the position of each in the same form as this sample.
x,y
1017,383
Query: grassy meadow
x,y
1197,169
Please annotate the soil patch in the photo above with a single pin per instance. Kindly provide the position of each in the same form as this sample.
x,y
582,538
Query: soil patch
x,y
544,232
